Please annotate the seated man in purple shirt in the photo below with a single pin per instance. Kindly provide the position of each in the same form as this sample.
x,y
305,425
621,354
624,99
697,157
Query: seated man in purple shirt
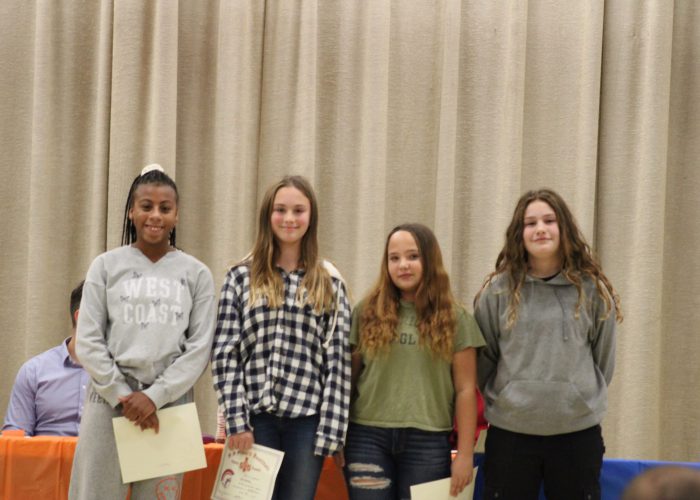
x,y
47,398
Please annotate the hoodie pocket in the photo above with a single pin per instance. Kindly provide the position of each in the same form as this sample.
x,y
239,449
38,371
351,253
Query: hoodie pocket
x,y
541,400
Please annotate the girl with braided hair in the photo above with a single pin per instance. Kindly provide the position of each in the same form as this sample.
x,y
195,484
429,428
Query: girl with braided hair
x,y
144,335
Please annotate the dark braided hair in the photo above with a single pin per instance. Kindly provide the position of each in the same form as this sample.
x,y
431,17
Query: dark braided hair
x,y
156,176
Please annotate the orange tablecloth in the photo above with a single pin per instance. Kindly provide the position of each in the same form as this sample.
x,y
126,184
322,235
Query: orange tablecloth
x,y
39,469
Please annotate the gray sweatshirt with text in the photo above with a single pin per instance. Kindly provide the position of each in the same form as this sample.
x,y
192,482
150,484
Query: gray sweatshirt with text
x,y
150,321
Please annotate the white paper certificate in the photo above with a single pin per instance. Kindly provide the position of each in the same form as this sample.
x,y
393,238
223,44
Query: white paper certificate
x,y
440,490
247,475
480,446
176,448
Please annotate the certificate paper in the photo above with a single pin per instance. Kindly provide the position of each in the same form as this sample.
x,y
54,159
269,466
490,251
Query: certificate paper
x,y
440,490
247,475
480,446
176,448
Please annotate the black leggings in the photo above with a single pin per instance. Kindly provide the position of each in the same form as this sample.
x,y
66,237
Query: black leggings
x,y
569,465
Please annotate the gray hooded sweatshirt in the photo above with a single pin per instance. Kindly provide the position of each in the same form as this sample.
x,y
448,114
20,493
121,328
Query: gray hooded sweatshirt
x,y
549,373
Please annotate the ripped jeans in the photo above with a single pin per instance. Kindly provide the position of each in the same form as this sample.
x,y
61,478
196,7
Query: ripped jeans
x,y
383,463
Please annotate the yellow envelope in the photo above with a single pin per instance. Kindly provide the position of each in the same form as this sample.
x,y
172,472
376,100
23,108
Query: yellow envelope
x,y
176,448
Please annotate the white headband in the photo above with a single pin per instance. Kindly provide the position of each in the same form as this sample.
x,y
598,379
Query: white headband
x,y
151,167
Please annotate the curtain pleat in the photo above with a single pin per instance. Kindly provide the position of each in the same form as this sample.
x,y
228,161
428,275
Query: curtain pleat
x,y
632,195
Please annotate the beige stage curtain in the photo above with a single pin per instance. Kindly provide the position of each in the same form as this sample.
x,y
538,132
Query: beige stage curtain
x,y
442,112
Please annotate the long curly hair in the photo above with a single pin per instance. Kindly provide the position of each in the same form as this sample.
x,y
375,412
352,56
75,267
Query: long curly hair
x,y
435,304
265,281
577,258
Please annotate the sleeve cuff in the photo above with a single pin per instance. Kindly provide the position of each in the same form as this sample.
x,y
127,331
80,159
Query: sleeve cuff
x,y
238,425
158,395
112,393
326,447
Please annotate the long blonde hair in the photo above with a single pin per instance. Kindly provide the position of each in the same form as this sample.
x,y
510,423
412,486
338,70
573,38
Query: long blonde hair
x,y
265,281
435,304
577,258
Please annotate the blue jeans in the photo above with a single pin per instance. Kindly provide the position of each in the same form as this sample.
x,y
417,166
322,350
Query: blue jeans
x,y
382,464
301,469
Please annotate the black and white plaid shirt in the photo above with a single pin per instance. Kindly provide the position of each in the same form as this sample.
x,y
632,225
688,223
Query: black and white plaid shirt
x,y
282,361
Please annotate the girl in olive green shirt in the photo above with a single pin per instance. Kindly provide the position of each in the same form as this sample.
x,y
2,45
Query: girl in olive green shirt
x,y
414,371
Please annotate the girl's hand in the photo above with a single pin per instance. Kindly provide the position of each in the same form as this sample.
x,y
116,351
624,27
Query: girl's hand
x,y
137,407
150,423
339,458
462,472
242,441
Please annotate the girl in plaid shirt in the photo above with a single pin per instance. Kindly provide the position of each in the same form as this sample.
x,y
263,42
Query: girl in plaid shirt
x,y
281,361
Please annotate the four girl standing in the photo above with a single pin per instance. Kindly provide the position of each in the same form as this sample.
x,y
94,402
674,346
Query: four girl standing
x,y
281,357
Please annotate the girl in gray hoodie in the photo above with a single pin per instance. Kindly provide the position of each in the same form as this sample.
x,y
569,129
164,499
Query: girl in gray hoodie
x,y
548,316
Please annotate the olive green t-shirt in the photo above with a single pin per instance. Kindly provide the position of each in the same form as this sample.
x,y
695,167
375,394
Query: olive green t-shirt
x,y
409,386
